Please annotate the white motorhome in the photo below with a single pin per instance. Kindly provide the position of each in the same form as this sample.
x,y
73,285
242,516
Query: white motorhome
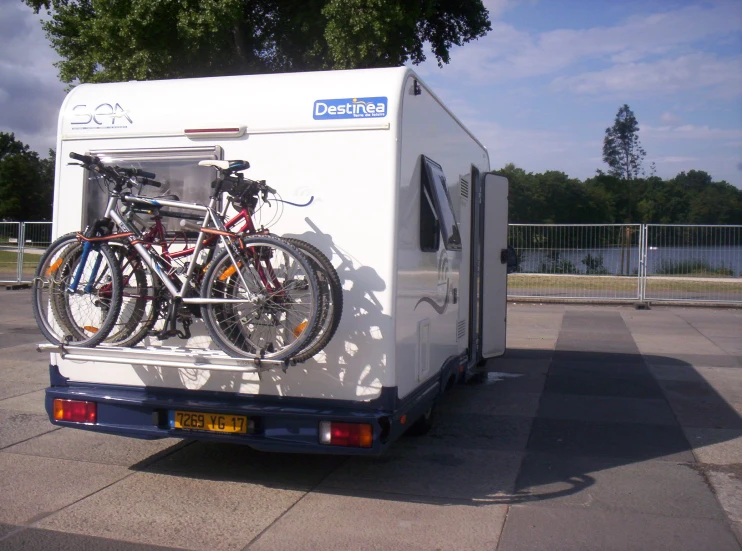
x,y
402,205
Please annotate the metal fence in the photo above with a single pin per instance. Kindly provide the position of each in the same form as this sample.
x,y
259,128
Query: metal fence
x,y
21,246
643,262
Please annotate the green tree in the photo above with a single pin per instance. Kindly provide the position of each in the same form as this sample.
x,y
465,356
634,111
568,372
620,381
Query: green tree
x,y
26,181
115,40
622,150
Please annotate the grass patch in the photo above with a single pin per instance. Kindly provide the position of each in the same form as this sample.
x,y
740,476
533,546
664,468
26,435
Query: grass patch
x,y
9,264
693,267
622,284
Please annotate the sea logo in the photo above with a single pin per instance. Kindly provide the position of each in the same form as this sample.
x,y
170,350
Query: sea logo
x,y
350,108
104,115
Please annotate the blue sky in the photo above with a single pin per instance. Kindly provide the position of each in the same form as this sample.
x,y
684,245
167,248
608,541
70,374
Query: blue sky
x,y
539,90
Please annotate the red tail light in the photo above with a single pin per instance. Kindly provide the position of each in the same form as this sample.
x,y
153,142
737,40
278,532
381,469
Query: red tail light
x,y
76,411
355,435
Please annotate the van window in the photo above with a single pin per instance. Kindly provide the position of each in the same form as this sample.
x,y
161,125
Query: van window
x,y
176,168
436,210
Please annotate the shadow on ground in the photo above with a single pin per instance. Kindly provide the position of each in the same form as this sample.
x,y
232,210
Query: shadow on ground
x,y
537,427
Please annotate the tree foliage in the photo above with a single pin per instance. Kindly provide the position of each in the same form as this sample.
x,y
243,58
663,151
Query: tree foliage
x,y
115,40
26,181
688,198
622,150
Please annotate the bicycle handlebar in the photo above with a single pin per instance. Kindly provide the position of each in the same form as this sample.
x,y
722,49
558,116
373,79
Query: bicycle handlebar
x,y
115,172
85,159
147,182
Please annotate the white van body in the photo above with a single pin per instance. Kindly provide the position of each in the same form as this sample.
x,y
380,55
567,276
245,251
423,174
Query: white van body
x,y
357,142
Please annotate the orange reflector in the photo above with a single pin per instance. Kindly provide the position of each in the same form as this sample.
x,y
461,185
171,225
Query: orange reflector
x,y
461,369
53,268
228,272
403,420
75,411
349,435
90,328
299,329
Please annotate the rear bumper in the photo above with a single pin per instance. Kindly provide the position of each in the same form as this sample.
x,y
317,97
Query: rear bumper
x,y
281,424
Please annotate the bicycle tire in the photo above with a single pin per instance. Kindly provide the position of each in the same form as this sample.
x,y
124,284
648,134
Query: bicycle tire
x,y
330,286
141,300
82,318
274,323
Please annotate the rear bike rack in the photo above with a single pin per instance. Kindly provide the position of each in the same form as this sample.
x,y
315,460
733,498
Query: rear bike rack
x,y
165,356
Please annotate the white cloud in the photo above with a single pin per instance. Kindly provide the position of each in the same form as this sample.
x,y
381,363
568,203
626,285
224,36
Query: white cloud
x,y
663,76
507,54
690,132
674,159
496,7
670,118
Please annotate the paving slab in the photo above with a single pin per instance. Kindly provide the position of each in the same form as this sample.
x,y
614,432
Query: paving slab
x,y
32,402
93,447
502,381
25,371
520,363
217,461
17,426
531,527
430,472
35,487
24,354
727,485
629,386
707,360
474,431
578,354
650,487
19,337
606,408
675,372
536,343
337,522
715,446
695,344
697,404
630,441
727,382
732,345
176,512
10,389
501,402
517,354
36,539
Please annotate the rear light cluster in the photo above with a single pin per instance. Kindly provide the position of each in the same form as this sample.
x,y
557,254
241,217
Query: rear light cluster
x,y
75,410
349,435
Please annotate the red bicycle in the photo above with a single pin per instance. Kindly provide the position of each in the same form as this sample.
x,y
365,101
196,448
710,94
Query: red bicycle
x,y
144,297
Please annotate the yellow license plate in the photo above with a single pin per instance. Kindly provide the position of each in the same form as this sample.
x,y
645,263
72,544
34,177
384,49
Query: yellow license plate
x,y
211,422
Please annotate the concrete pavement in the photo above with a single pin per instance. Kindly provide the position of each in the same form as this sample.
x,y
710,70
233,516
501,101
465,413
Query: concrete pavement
x,y
602,428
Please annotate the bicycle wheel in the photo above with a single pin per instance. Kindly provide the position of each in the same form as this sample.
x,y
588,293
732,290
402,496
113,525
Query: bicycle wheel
x,y
270,300
331,299
85,316
141,300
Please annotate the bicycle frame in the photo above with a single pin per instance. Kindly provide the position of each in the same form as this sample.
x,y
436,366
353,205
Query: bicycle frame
x,y
155,261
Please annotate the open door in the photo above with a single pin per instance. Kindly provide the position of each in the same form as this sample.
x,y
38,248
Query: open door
x,y
494,265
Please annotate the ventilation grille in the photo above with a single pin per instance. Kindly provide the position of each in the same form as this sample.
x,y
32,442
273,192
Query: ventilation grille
x,y
460,329
464,188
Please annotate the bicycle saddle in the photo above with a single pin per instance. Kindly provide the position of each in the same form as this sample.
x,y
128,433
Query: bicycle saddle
x,y
226,166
